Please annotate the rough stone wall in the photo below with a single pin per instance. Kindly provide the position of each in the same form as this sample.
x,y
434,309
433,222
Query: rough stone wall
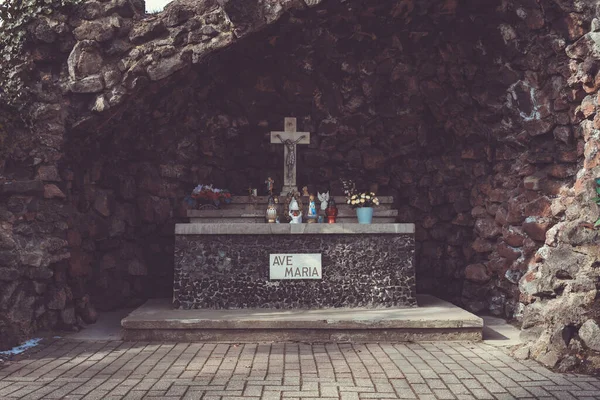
x,y
473,117
559,292
533,149
374,102
33,294
80,65
461,114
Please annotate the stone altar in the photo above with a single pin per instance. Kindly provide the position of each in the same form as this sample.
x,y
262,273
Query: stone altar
x,y
222,291
226,266
222,260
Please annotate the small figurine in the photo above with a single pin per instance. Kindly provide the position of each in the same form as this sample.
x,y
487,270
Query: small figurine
x,y
312,209
323,198
286,205
331,211
277,209
305,191
270,183
298,198
271,214
295,213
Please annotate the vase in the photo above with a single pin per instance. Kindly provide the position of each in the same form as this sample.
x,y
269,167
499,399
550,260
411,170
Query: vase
x,y
364,215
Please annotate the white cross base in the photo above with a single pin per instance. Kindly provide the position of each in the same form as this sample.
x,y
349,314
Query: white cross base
x,y
289,181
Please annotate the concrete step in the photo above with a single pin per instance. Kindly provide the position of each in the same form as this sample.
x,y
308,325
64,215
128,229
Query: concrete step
x,y
433,319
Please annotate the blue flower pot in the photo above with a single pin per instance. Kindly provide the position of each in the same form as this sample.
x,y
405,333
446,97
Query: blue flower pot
x,y
364,214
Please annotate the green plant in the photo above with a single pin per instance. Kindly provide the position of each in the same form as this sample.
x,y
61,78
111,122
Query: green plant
x,y
597,200
15,17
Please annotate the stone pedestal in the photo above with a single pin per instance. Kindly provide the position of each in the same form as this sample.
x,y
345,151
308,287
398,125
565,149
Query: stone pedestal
x,y
226,266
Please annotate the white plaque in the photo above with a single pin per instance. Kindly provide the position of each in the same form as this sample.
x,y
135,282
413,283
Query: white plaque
x,y
295,266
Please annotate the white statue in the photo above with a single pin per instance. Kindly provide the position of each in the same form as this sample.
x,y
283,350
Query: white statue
x,y
324,198
295,213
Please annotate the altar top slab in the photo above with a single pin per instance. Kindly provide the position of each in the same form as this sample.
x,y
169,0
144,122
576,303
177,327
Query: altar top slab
x,y
292,229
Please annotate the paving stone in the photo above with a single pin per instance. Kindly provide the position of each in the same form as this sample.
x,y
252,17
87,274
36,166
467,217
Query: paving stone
x,y
519,392
131,371
420,388
584,393
414,378
193,395
505,396
443,394
563,396
458,388
482,394
449,378
406,394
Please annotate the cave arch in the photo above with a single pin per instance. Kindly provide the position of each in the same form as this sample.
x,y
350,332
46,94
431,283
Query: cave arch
x,y
480,120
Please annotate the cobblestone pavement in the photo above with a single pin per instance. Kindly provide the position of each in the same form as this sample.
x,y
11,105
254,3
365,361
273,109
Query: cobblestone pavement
x,y
66,369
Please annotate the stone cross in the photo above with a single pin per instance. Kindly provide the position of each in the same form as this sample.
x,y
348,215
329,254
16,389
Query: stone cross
x,y
289,138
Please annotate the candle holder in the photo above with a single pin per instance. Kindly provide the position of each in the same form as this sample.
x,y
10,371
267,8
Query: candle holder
x,y
271,214
331,212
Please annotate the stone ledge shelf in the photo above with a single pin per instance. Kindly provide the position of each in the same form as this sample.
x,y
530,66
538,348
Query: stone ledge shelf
x,y
292,229
340,200
343,212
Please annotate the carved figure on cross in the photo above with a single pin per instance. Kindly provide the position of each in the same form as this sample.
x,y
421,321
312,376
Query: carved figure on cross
x,y
290,138
290,160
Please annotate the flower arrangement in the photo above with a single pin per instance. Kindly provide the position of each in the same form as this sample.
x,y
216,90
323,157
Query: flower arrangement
x,y
208,194
358,199
363,199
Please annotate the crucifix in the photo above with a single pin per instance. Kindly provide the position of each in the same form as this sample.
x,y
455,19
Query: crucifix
x,y
289,138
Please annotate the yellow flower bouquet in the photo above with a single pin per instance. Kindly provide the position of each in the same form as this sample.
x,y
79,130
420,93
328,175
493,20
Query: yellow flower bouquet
x,y
362,199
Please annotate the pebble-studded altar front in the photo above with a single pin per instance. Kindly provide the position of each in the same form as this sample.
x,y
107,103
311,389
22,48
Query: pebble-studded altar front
x,y
232,271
